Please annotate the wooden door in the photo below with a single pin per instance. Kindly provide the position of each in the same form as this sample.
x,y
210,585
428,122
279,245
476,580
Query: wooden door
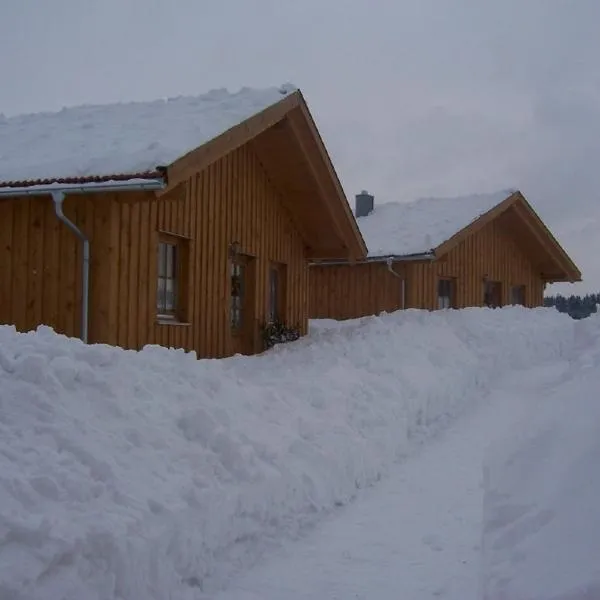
x,y
242,312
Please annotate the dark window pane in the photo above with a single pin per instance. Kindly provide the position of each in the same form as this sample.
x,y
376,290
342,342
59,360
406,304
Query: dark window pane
x,y
170,295
166,294
237,294
162,260
445,293
160,295
171,260
517,295
273,294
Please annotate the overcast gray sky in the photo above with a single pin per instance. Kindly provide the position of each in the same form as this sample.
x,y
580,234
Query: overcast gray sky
x,y
413,97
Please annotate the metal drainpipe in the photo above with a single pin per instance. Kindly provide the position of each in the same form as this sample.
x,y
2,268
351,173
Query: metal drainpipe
x,y
389,264
59,197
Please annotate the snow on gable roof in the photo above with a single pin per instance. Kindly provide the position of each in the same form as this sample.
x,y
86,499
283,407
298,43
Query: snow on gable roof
x,y
132,137
422,225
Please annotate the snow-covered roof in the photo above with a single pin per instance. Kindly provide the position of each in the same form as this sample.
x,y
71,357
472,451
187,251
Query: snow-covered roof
x,y
400,228
132,137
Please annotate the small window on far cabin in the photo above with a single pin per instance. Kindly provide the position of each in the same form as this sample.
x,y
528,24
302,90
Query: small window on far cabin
x,y
492,295
445,293
169,283
517,295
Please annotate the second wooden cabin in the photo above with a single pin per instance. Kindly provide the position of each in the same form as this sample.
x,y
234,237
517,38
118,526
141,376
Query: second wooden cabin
x,y
436,253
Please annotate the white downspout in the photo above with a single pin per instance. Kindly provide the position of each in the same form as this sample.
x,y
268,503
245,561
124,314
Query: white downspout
x,y
389,262
58,192
59,197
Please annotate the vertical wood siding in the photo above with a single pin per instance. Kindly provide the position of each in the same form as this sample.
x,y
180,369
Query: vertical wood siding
x,y
349,292
230,201
491,252
342,292
40,265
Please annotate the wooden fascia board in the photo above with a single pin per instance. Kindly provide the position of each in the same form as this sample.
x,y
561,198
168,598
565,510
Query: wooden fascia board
x,y
545,238
342,206
199,158
572,270
475,226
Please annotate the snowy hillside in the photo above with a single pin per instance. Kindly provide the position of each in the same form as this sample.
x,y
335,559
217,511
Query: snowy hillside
x,y
153,475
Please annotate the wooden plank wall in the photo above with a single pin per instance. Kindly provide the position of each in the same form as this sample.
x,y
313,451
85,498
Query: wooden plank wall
x,y
40,264
352,291
231,200
490,252
342,292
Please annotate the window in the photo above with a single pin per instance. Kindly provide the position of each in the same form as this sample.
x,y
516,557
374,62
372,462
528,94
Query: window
x,y
517,295
168,279
171,257
276,292
238,281
445,293
492,295
273,294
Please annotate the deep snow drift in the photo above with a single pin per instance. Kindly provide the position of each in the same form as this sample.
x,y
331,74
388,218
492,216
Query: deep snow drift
x,y
542,490
153,475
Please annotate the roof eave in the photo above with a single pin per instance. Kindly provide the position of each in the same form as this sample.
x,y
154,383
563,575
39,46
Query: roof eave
x,y
201,157
480,222
159,173
556,252
383,258
357,246
86,187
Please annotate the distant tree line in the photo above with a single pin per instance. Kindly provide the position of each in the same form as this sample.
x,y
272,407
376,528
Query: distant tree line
x,y
578,307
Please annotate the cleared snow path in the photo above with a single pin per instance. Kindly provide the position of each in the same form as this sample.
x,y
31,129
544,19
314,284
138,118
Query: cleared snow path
x,y
417,534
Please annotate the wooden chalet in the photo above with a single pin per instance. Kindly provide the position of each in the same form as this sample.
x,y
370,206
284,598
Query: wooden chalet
x,y
485,250
188,223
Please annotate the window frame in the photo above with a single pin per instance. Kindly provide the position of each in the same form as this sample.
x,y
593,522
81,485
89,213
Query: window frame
x,y
522,291
173,312
276,290
237,309
491,283
451,296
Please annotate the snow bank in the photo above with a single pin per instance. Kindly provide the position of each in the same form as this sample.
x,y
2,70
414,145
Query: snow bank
x,y
541,534
122,138
398,228
143,475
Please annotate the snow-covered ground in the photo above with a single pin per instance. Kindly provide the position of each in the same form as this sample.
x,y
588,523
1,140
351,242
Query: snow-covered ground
x,y
417,535
153,475
541,539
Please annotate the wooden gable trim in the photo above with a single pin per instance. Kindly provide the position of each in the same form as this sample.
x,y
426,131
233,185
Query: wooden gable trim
x,y
294,110
201,157
325,194
544,236
337,201
475,226
534,224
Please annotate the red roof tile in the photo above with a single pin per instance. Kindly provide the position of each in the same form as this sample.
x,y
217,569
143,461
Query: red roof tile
x,y
156,174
